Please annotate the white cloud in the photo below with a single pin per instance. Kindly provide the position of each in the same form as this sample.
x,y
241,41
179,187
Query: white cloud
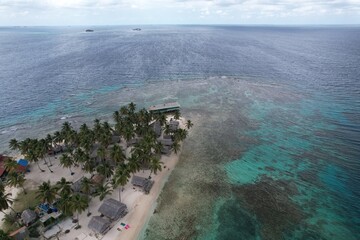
x,y
234,11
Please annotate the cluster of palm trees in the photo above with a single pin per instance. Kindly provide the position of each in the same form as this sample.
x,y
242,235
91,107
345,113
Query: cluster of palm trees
x,y
95,151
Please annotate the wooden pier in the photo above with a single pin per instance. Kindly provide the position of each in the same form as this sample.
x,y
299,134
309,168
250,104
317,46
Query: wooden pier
x,y
165,107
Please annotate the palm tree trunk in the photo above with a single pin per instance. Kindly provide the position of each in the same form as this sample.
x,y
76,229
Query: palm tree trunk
x,y
42,170
49,168
119,195
24,190
45,162
71,171
49,158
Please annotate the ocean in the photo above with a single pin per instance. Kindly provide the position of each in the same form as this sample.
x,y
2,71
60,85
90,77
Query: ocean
x,y
274,151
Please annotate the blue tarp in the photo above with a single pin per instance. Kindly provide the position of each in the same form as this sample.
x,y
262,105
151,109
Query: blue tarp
x,y
23,162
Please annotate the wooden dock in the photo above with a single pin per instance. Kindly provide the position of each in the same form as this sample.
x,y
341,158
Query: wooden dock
x,y
165,107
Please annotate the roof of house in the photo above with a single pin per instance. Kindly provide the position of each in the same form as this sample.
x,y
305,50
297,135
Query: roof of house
x,y
113,209
23,162
166,142
2,168
99,224
19,234
27,216
97,179
145,183
157,128
76,186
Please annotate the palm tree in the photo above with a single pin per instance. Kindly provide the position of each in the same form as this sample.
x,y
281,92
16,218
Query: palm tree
x,y
97,128
16,180
89,166
116,154
33,156
66,133
101,153
132,107
80,156
5,200
63,187
4,236
133,164
189,124
105,170
79,203
103,190
14,144
86,185
46,193
10,165
175,147
66,161
177,115
121,177
65,204
155,165
42,150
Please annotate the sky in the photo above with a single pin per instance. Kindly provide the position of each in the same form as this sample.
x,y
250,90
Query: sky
x,y
139,12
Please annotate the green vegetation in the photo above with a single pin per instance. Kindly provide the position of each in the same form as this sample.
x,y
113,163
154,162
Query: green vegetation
x,y
95,149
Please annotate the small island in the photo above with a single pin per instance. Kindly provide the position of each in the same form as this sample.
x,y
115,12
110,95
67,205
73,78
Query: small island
x,y
137,29
89,30
101,180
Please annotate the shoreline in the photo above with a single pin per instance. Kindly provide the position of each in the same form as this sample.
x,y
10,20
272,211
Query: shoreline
x,y
140,206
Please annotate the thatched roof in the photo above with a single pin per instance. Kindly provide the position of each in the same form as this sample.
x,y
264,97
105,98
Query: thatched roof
x,y
166,149
97,179
113,209
157,128
166,142
99,224
145,183
76,186
174,125
28,216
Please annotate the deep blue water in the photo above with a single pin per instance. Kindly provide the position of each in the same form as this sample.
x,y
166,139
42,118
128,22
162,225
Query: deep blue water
x,y
295,105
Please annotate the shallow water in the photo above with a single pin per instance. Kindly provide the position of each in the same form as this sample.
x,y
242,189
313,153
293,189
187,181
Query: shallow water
x,y
274,150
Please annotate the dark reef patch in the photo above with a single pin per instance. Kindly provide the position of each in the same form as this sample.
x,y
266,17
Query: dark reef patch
x,y
270,201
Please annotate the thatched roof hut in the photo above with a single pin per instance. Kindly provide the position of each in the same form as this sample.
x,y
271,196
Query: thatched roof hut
x,y
166,149
99,224
113,209
166,142
174,125
28,216
76,186
145,183
157,128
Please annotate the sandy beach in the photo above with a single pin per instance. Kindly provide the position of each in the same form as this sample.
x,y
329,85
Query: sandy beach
x,y
140,205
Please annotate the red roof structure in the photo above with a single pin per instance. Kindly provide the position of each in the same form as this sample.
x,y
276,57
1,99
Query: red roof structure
x,y
2,168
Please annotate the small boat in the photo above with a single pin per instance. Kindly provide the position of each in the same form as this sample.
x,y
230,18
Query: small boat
x,y
89,30
137,29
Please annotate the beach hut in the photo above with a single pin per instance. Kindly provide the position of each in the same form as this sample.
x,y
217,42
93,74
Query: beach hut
x,y
23,165
166,149
28,216
76,186
173,125
145,183
113,209
99,225
156,126
166,142
2,168
20,234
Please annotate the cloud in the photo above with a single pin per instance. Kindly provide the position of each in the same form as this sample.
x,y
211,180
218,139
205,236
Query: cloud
x,y
231,11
